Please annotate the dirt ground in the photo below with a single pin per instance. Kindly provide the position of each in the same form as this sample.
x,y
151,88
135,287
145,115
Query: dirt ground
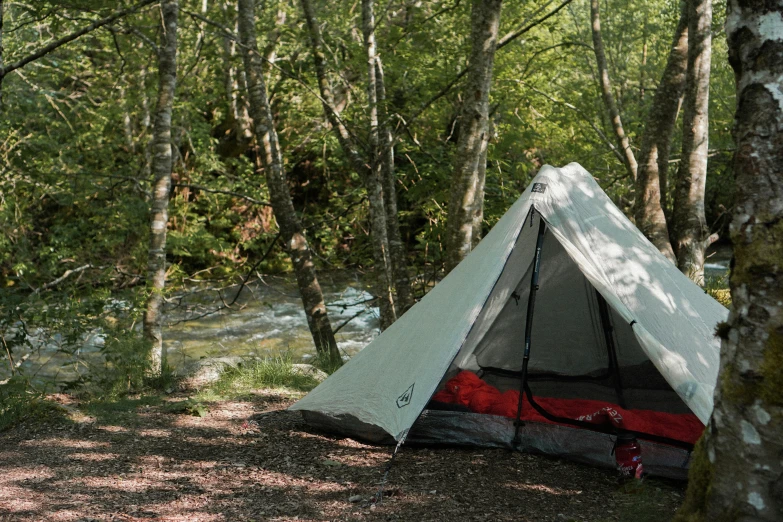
x,y
250,460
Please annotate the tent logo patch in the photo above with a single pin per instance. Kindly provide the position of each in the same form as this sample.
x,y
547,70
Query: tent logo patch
x,y
539,187
405,399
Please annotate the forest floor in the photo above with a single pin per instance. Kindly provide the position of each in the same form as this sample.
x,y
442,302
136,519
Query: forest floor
x,y
248,459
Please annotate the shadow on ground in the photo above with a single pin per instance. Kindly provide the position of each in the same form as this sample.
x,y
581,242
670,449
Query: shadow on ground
x,y
251,460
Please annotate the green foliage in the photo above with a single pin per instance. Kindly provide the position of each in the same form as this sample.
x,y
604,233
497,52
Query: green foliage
x,y
19,401
75,129
718,288
326,363
189,406
119,410
271,372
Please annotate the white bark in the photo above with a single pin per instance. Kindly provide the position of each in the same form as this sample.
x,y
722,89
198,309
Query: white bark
x,y
738,473
161,168
467,188
690,233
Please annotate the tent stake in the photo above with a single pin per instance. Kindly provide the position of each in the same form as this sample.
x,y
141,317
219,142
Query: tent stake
x,y
531,302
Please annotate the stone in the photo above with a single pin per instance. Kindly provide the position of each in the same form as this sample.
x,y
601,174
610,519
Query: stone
x,y
310,371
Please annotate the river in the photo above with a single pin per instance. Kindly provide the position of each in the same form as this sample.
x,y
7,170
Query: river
x,y
265,320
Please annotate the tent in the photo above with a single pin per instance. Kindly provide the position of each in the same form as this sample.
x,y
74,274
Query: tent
x,y
567,279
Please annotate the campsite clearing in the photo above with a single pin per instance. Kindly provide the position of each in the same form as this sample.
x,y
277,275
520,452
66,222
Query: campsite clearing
x,y
140,463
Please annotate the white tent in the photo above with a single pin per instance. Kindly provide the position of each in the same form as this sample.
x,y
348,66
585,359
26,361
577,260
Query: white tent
x,y
607,300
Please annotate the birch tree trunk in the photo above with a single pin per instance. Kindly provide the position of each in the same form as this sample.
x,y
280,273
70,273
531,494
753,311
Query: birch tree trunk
x,y
280,197
2,49
161,168
737,472
366,169
623,144
689,224
467,195
399,255
378,227
656,140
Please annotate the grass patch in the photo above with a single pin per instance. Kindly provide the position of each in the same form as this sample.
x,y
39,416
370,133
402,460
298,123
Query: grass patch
x,y
19,401
119,411
272,372
326,363
718,288
189,406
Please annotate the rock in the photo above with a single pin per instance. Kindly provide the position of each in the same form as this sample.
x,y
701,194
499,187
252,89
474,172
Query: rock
x,y
355,498
207,370
310,371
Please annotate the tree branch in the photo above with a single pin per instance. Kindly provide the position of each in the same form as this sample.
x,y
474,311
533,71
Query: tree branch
x,y
226,192
230,34
66,275
71,37
584,117
502,43
516,34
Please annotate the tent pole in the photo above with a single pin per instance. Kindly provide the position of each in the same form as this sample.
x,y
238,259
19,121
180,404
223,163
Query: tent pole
x,y
614,366
531,302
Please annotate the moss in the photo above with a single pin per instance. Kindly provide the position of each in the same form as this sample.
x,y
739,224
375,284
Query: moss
x,y
760,254
736,390
699,485
771,370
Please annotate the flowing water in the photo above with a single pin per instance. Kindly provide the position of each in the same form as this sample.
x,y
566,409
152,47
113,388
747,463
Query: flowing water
x,y
267,319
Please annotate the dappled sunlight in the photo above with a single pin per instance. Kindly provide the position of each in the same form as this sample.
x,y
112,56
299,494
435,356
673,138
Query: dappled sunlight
x,y
93,457
64,442
114,429
673,318
541,488
184,468
156,432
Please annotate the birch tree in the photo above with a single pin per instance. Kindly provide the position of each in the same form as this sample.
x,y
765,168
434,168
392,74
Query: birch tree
x,y
737,471
656,140
383,154
383,278
272,160
467,194
689,224
623,143
161,169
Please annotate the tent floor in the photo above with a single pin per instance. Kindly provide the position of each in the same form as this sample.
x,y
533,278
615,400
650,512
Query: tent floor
x,y
459,428
589,447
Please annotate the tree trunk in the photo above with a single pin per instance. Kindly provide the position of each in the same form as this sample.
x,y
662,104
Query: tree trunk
x,y
373,181
366,170
280,197
467,194
402,285
478,209
738,472
161,168
689,225
656,140
624,145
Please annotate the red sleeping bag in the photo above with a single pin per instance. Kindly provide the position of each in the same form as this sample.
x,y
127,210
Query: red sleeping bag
x,y
467,389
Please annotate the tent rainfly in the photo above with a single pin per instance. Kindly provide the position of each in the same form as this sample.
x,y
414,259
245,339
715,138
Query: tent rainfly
x,y
564,299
